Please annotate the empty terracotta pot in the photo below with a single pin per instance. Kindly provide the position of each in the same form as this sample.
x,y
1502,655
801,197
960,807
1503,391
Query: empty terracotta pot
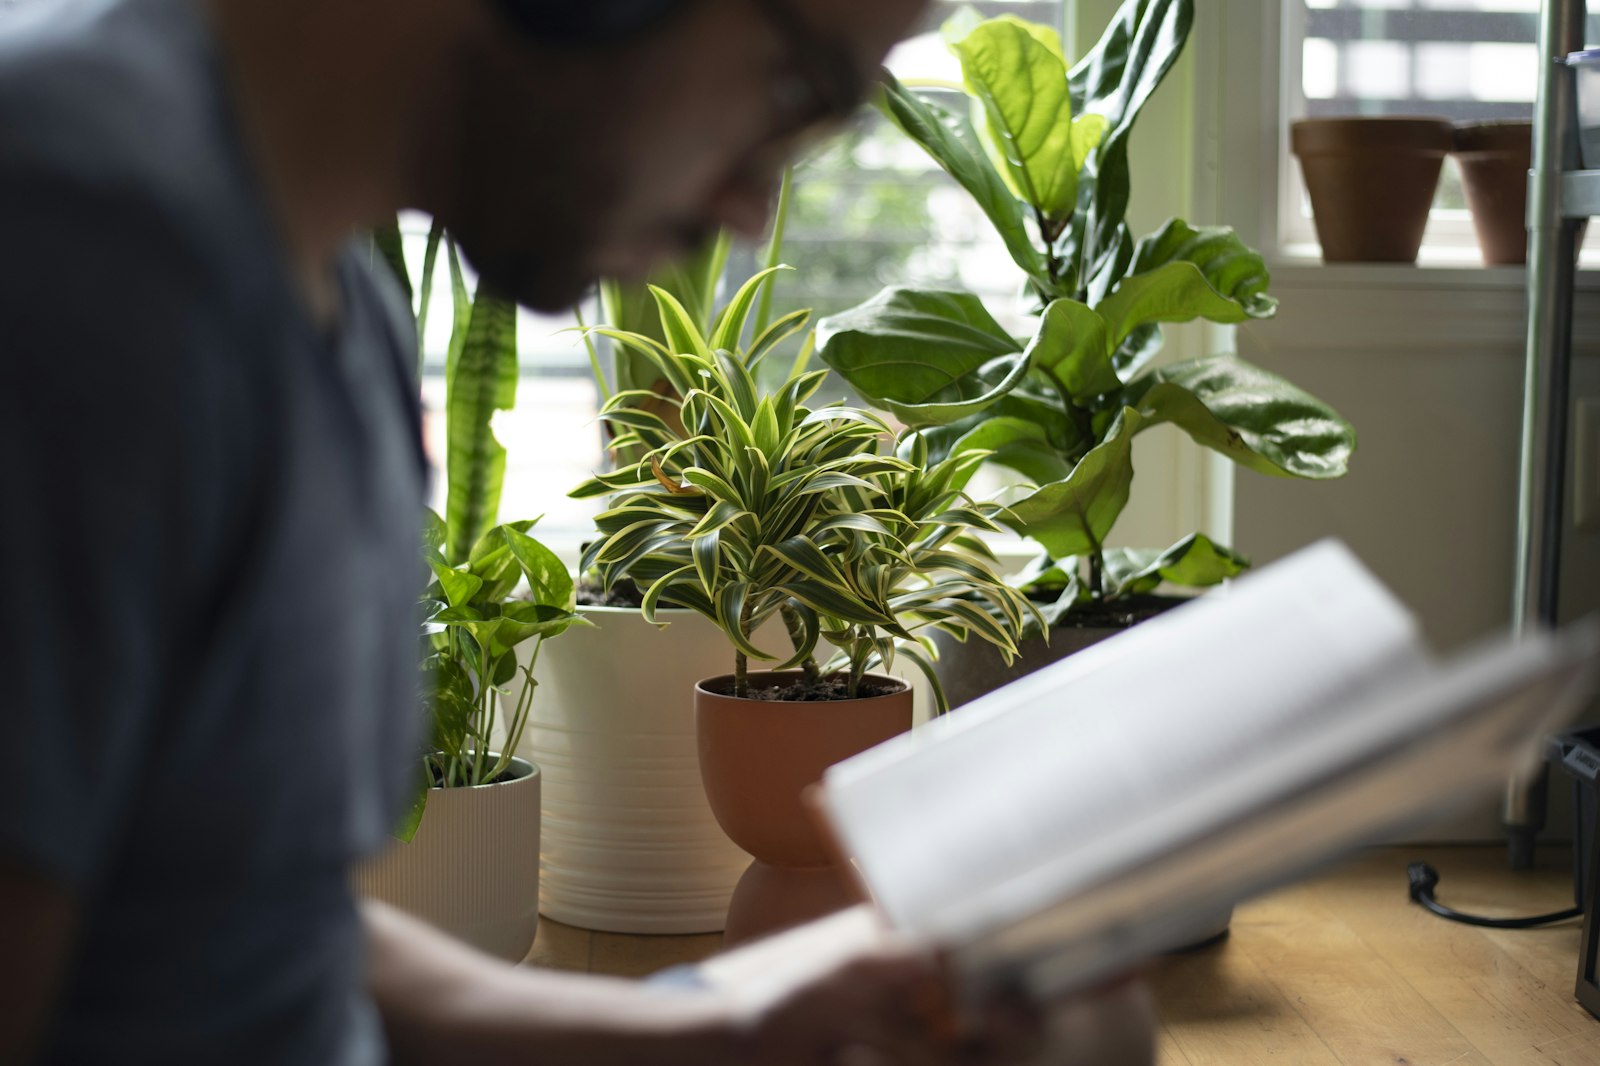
x,y
1495,158
757,759
1371,181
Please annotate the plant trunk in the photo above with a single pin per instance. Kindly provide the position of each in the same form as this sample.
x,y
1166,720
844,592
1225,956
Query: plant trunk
x,y
791,622
741,675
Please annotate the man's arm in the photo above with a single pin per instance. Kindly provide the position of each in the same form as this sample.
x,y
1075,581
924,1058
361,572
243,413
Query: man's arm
x,y
441,1002
38,920
873,1000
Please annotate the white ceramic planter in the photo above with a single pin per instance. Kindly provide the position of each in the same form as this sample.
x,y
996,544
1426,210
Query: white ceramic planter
x,y
630,844
472,869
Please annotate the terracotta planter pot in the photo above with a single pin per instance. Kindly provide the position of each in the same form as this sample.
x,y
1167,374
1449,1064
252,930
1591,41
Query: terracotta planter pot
x,y
629,842
1372,182
1495,158
757,759
472,869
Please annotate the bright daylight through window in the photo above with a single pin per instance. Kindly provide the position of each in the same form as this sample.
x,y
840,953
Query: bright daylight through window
x,y
869,209
1465,60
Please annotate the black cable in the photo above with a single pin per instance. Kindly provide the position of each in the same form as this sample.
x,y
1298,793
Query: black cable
x,y
1425,878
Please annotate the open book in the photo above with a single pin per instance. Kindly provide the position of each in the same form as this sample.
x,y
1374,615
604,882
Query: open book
x,y
1067,826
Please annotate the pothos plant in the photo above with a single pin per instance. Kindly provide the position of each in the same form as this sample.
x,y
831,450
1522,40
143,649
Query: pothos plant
x,y
510,590
1043,150
750,505
472,622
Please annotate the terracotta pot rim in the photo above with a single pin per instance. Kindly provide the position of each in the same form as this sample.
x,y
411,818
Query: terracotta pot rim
x,y
700,687
517,763
1411,134
1494,137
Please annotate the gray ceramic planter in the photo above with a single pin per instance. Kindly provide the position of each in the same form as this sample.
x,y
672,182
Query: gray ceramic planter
x,y
974,668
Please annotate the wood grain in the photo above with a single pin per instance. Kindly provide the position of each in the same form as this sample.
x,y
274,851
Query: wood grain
x,y
1341,970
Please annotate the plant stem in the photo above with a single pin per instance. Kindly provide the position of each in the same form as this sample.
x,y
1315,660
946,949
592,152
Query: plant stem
x,y
741,675
797,636
1097,571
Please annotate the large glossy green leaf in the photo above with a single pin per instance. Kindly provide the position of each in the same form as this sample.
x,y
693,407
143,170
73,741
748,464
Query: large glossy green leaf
x,y
1196,561
482,381
1172,292
1254,417
953,144
1015,70
1232,268
1075,515
1021,444
1115,79
1072,347
929,357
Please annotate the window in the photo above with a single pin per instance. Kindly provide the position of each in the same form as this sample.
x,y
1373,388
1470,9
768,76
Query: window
x,y
1463,60
870,209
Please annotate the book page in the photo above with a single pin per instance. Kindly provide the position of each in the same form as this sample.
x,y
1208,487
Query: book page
x,y
1412,755
1071,754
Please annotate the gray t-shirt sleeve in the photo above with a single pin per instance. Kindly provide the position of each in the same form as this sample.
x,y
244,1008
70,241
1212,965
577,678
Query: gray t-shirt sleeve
x,y
107,419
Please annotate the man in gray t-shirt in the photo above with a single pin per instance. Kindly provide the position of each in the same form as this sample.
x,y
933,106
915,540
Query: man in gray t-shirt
x,y
210,464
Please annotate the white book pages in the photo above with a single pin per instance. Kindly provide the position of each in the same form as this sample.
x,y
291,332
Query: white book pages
x,y
1391,763
1056,765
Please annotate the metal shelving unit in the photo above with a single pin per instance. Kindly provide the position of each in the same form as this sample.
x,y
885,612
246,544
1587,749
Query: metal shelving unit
x,y
1560,194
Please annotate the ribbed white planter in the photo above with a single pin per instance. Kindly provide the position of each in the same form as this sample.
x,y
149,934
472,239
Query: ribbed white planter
x,y
630,845
472,869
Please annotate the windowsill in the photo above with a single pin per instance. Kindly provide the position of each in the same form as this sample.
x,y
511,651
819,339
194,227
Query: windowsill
x,y
1301,266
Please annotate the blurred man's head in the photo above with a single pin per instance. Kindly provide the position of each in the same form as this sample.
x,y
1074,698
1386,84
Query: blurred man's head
x,y
560,156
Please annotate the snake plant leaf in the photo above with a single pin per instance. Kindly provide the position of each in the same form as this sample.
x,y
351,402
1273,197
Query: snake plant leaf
x,y
482,381
951,141
1196,561
1256,418
929,357
1075,515
1015,70
1072,346
1115,79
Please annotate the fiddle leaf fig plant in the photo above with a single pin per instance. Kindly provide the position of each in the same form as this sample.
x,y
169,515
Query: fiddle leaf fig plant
x,y
751,505
1042,149
510,590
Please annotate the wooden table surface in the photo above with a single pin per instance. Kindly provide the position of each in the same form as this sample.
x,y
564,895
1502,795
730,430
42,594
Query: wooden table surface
x,y
1343,969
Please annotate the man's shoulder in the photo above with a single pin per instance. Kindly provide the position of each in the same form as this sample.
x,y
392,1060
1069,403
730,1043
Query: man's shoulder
x,y
109,116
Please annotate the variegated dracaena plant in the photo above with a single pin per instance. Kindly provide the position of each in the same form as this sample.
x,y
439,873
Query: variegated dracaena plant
x,y
752,505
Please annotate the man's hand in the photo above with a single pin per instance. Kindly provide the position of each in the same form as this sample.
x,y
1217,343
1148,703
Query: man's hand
x,y
37,921
846,991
